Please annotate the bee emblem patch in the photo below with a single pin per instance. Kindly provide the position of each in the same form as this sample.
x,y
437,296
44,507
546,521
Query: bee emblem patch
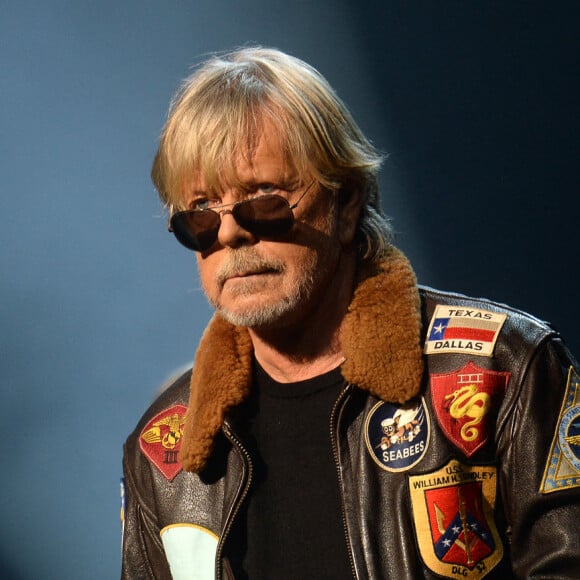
x,y
397,436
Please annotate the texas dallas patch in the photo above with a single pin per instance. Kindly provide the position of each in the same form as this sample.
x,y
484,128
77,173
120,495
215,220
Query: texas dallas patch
x,y
397,436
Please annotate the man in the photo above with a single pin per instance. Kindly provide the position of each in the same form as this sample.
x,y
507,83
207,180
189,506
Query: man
x,y
339,420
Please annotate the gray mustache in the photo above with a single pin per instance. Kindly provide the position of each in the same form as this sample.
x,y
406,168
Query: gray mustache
x,y
244,261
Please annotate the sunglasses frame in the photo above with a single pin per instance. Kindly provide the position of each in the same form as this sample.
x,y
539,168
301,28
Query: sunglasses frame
x,y
191,242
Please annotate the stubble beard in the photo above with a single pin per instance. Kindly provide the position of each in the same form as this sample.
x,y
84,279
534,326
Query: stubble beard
x,y
265,314
314,269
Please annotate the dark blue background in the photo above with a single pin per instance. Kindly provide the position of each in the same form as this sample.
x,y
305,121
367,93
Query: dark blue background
x,y
476,103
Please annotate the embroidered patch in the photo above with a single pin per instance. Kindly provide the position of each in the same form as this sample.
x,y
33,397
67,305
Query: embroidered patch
x,y
161,438
453,514
190,551
464,330
122,514
563,465
465,404
397,436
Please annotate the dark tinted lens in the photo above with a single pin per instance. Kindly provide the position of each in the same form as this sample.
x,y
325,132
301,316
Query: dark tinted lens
x,y
196,230
269,215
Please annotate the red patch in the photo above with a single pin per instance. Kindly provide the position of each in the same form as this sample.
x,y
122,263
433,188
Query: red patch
x,y
460,531
160,440
465,403
453,511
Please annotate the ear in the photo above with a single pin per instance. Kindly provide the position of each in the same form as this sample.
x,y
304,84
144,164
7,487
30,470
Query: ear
x,y
350,202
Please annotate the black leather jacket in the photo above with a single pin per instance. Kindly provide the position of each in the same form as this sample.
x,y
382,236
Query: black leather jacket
x,y
476,475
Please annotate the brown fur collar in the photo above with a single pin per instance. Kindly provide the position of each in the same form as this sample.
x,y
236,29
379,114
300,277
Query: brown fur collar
x,y
380,338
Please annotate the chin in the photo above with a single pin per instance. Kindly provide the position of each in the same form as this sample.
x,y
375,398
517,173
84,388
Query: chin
x,y
274,315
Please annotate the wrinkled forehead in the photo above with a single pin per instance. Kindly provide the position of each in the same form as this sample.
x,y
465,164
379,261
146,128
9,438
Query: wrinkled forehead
x,y
256,153
217,148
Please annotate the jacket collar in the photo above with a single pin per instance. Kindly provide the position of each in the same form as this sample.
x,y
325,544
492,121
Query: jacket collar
x,y
380,338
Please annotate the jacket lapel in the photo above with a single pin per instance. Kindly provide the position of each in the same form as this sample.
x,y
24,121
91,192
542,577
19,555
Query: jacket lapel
x,y
380,338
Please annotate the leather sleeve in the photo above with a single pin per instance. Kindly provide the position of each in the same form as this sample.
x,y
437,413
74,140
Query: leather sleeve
x,y
143,555
542,522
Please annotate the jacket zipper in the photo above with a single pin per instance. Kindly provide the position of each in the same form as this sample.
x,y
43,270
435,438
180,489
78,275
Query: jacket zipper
x,y
333,439
238,501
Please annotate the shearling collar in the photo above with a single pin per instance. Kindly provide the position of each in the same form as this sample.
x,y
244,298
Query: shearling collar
x,y
380,338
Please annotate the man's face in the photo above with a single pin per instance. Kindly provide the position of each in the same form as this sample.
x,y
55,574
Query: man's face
x,y
271,282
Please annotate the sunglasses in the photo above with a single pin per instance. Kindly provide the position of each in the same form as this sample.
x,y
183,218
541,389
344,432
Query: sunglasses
x,y
265,216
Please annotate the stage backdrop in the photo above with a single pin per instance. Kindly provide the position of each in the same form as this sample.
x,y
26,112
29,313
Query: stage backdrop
x,y
475,103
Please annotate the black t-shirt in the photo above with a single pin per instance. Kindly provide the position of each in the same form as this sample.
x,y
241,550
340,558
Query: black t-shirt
x,y
292,526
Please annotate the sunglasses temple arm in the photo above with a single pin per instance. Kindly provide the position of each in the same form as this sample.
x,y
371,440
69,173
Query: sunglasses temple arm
x,y
295,205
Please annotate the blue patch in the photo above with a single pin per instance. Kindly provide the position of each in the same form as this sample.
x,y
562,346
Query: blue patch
x,y
397,436
569,436
563,466
122,514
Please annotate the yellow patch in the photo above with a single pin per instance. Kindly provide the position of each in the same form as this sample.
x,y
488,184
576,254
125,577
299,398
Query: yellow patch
x,y
563,466
453,514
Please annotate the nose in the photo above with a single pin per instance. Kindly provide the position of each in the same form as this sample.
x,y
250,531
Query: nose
x,y
231,233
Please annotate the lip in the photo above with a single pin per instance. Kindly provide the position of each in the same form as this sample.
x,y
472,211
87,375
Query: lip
x,y
242,275
249,274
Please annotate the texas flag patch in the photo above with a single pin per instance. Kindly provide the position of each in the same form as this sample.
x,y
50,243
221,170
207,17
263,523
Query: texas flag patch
x,y
160,440
464,330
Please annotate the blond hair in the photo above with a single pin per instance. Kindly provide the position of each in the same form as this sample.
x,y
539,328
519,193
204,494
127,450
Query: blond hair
x,y
218,114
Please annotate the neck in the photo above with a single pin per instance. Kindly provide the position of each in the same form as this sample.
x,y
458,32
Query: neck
x,y
289,367
310,346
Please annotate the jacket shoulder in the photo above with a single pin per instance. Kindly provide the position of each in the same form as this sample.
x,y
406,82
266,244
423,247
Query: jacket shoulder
x,y
174,392
517,321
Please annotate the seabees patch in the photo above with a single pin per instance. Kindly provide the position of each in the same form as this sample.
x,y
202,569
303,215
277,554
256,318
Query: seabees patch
x,y
160,440
464,330
453,515
397,436
563,466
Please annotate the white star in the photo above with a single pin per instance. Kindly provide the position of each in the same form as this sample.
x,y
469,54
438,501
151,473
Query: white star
x,y
456,530
439,328
447,543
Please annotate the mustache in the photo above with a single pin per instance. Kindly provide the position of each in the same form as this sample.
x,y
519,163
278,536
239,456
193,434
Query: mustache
x,y
244,261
